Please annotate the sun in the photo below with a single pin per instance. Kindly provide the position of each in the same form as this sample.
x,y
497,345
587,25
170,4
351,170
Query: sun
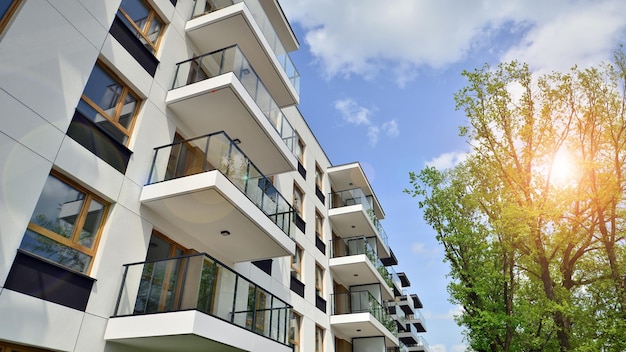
x,y
563,169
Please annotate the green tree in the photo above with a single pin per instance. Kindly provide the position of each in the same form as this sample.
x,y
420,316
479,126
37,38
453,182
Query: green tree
x,y
536,256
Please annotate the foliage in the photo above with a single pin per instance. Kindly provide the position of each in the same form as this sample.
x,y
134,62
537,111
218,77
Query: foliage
x,y
537,256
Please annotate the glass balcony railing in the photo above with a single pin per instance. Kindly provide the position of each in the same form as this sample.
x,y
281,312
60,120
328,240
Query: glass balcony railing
x,y
217,151
202,7
202,283
361,245
357,196
417,315
362,302
421,343
395,279
231,59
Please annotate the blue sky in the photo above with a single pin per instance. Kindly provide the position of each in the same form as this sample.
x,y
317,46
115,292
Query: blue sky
x,y
378,80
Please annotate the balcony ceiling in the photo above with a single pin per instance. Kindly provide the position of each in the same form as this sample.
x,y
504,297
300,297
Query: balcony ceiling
x,y
205,204
235,26
222,104
344,218
349,176
345,269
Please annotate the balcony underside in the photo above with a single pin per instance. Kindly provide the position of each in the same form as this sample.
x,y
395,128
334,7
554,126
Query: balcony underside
x,y
236,25
351,176
361,325
203,205
190,331
222,104
358,270
352,221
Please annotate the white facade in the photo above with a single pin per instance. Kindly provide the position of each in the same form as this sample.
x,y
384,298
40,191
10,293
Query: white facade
x,y
203,156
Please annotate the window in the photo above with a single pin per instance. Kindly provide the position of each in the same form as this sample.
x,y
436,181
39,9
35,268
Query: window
x,y
299,149
319,175
143,20
298,199
66,225
294,331
109,103
7,10
296,263
319,225
319,280
319,339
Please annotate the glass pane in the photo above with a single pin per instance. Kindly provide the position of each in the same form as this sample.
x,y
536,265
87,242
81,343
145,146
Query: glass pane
x,y
155,30
4,7
137,10
128,111
92,223
103,90
208,281
54,251
58,207
224,292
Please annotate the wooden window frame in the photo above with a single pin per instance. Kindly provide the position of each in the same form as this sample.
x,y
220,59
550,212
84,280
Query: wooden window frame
x,y
319,330
295,342
10,347
152,14
4,20
319,284
119,105
298,268
319,176
298,190
300,146
78,225
319,224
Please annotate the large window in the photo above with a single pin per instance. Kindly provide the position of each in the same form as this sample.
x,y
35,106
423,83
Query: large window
x,y
319,339
294,331
109,103
319,225
298,199
296,263
319,175
144,21
319,280
7,10
299,152
66,224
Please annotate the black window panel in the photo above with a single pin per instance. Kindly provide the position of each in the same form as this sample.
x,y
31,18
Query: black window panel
x,y
174,2
320,195
320,303
297,286
108,148
319,243
133,45
37,277
300,223
264,265
301,169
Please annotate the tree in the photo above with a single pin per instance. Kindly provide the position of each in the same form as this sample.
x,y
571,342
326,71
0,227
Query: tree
x,y
536,258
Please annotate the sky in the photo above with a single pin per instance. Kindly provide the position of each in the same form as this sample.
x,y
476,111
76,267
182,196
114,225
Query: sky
x,y
378,80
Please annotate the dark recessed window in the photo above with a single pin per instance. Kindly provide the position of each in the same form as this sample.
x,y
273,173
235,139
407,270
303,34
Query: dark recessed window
x,y
7,10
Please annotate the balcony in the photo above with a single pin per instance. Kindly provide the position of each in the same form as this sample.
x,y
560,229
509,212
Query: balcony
x,y
417,319
209,189
420,346
352,214
354,262
198,302
359,314
407,333
247,24
220,91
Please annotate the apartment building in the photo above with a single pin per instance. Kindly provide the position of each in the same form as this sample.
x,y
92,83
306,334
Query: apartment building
x,y
161,191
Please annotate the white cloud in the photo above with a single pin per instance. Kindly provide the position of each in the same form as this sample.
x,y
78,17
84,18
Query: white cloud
x,y
357,115
418,248
447,160
352,112
391,128
437,348
364,38
458,348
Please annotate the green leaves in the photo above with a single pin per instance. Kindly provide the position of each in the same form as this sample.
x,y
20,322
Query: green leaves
x,y
536,262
